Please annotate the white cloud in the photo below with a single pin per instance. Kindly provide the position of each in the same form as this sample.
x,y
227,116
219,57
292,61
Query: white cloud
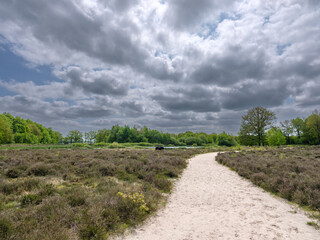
x,y
147,60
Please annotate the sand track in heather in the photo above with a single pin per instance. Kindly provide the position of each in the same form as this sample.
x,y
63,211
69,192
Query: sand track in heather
x,y
212,202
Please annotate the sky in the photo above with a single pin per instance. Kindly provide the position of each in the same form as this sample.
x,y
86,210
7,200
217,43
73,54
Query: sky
x,y
173,65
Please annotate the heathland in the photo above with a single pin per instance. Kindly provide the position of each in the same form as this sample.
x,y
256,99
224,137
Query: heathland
x,y
291,173
83,194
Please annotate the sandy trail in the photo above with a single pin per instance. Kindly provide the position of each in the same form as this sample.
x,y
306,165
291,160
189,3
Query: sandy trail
x,y
212,202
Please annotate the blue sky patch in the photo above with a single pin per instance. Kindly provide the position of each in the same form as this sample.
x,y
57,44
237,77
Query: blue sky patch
x,y
15,67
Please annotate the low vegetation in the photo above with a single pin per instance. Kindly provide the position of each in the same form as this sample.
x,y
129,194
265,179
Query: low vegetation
x,y
83,194
291,173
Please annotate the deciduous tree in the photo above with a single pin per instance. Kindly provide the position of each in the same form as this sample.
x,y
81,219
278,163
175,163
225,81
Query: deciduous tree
x,y
255,122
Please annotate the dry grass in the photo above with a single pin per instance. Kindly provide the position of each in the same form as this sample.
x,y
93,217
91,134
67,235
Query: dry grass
x,y
291,173
74,194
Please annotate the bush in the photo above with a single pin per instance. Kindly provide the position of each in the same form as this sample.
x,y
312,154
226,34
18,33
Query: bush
x,y
275,137
8,188
38,169
31,199
225,139
115,145
6,229
101,144
76,197
111,218
162,184
107,170
13,173
81,145
131,207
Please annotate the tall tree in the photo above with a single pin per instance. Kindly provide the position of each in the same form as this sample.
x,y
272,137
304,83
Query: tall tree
x,y
313,127
75,136
255,122
287,129
90,136
298,126
6,134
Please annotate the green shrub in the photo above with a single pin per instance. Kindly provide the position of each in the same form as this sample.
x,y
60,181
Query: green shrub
x,y
31,199
115,145
38,169
76,197
48,190
111,218
8,188
92,231
6,229
275,137
30,184
13,173
81,145
162,184
101,144
225,139
131,207
107,169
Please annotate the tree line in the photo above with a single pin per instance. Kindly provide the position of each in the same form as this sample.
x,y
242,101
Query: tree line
x,y
126,134
258,127
19,130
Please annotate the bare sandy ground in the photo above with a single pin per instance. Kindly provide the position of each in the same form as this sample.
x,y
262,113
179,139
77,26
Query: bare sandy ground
x,y
212,202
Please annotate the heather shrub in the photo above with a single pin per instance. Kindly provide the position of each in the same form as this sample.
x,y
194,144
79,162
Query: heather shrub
x,y
292,173
162,184
61,194
6,228
108,169
38,169
30,199
13,173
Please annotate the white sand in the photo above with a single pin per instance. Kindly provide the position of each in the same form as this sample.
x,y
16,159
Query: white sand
x,y
212,202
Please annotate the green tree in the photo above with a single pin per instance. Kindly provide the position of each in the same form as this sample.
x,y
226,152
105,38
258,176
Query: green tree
x,y
90,136
287,129
75,136
102,136
313,128
56,137
298,125
20,125
225,139
275,137
6,133
255,122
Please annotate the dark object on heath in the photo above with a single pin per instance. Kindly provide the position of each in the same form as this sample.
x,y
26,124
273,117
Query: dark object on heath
x,y
159,148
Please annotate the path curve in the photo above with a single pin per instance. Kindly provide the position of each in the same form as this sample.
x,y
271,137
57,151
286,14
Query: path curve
x,y
212,202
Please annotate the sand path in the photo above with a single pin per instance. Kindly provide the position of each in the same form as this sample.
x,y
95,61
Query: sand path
x,y
212,202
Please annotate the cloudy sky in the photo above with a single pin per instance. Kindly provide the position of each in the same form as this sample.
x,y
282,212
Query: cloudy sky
x,y
173,65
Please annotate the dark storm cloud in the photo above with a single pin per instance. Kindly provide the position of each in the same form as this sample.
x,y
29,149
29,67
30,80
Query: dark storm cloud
x,y
96,83
236,64
80,112
63,23
194,99
182,14
48,111
267,94
131,109
119,5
